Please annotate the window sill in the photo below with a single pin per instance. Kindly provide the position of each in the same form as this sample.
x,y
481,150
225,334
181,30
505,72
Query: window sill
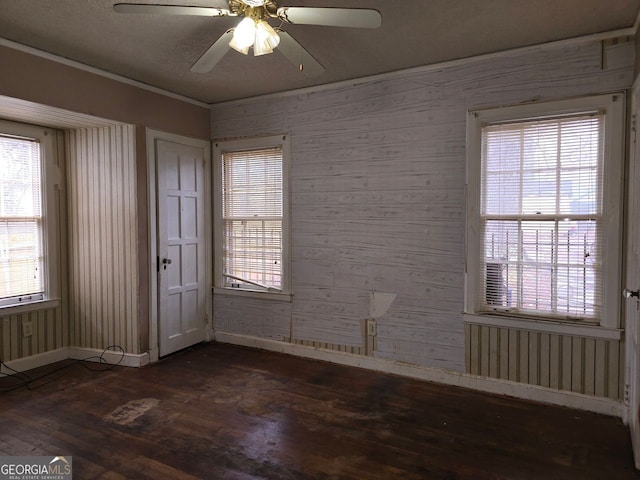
x,y
545,326
29,307
275,296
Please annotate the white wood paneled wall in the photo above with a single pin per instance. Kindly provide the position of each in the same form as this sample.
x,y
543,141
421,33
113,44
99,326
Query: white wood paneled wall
x,y
562,362
356,350
103,249
377,181
249,316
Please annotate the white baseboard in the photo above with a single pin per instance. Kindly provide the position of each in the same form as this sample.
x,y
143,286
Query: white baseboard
x,y
75,353
578,401
35,361
110,356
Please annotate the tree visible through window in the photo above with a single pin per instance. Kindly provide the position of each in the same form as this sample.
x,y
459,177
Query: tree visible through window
x,y
21,259
541,216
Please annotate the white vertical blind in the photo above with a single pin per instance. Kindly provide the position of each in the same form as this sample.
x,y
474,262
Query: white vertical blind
x,y
252,215
541,216
21,259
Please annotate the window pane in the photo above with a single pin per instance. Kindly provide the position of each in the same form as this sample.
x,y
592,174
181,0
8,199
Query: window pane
x,y
539,145
577,242
252,183
549,265
502,149
509,184
534,282
539,192
501,251
576,291
253,251
580,142
252,214
20,180
535,290
20,258
578,267
20,218
580,191
501,241
542,167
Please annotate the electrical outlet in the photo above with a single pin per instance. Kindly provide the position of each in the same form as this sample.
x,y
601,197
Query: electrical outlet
x,y
371,327
27,329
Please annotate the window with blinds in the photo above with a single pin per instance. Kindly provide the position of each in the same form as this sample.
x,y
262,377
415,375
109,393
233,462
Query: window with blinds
x,y
21,238
252,217
541,216
543,233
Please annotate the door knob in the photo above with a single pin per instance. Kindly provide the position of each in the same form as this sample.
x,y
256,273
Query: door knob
x,y
626,293
166,261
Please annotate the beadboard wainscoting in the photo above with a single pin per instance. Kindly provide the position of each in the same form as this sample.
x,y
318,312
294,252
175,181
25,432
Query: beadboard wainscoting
x,y
329,346
563,362
103,242
378,204
48,332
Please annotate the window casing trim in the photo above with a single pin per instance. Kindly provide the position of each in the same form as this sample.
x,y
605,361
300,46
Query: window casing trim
x,y
51,184
260,294
613,105
38,305
578,329
245,144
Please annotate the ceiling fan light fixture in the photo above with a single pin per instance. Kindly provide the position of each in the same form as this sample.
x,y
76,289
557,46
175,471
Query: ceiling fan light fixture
x,y
253,31
266,39
244,36
254,3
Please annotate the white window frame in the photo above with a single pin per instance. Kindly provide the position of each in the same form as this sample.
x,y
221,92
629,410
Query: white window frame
x,y
613,106
51,183
246,144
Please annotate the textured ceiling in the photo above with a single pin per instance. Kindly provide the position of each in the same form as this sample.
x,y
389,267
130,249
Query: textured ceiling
x,y
159,50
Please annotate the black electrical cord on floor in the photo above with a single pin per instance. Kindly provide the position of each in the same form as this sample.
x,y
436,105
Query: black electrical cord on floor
x,y
95,363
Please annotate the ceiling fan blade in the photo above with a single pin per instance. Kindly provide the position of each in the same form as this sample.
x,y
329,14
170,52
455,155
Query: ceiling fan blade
x,y
213,55
297,55
331,17
171,10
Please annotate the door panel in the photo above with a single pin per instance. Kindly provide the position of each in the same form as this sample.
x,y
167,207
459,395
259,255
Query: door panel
x,y
181,246
632,310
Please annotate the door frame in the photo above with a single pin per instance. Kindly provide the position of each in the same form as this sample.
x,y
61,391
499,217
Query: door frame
x,y
152,136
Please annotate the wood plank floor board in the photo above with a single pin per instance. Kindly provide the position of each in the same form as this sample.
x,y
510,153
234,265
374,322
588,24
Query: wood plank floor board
x,y
217,411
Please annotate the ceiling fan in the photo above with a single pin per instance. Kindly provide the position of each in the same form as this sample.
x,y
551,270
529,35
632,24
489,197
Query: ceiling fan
x,y
254,30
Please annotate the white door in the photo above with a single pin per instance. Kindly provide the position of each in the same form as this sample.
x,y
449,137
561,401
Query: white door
x,y
632,311
181,246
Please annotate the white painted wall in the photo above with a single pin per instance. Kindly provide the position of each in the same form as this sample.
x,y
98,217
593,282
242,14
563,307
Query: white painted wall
x,y
378,173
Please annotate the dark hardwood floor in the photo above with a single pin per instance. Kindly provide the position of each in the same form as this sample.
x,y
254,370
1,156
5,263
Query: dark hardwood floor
x,y
223,412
